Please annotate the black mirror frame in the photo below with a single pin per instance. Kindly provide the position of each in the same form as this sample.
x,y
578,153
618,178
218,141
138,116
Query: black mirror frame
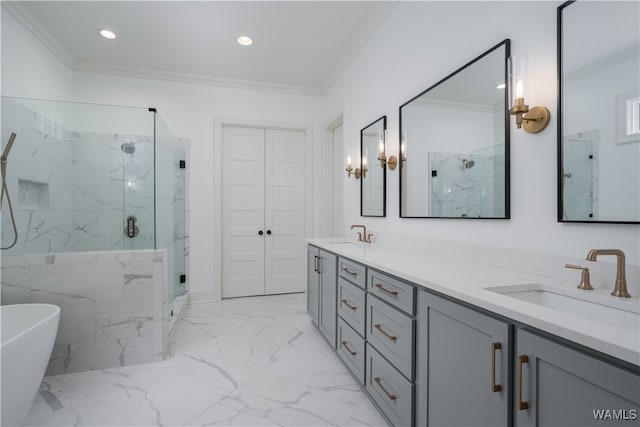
x,y
559,173
384,172
507,134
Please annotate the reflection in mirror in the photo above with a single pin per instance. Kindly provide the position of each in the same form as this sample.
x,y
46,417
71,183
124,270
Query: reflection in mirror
x,y
372,184
454,144
599,112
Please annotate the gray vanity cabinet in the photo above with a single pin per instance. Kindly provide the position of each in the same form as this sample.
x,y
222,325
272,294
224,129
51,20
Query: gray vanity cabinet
x,y
557,385
321,291
462,372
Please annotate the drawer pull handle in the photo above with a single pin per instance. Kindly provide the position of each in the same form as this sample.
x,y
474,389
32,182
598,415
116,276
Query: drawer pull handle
x,y
352,307
494,347
346,270
521,360
389,395
344,344
316,266
386,291
391,337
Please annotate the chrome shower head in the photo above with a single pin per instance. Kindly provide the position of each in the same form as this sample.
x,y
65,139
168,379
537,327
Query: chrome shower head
x,y
468,164
128,147
7,147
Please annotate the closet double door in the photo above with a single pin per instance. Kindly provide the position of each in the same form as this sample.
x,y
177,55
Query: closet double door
x,y
263,211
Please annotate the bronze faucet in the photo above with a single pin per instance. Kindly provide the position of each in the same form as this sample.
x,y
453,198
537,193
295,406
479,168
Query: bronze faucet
x,y
367,237
620,288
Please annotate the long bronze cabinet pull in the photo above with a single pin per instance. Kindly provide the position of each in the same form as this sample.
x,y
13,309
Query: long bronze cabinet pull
x,y
494,347
386,291
344,344
352,307
389,395
521,360
346,270
391,337
316,267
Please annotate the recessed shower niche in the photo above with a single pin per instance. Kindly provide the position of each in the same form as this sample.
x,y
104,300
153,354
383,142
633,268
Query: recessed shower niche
x,y
34,195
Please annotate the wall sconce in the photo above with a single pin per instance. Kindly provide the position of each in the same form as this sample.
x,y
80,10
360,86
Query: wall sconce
x,y
349,169
392,161
534,119
364,171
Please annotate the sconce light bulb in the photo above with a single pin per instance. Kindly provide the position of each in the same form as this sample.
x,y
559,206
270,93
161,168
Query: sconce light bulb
x,y
519,88
364,161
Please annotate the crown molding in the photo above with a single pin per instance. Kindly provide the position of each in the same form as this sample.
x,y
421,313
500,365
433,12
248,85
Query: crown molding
x,y
360,40
32,25
144,73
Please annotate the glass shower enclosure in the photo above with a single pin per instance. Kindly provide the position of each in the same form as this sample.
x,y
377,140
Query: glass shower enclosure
x,y
89,177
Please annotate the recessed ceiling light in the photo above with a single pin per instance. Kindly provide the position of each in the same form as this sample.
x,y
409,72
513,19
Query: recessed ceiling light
x,y
107,34
501,86
245,40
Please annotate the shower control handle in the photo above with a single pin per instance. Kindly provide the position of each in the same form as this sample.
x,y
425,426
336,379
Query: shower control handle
x,y
260,232
132,229
269,232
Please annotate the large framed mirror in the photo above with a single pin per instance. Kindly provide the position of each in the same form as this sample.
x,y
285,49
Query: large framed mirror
x,y
454,143
599,112
374,172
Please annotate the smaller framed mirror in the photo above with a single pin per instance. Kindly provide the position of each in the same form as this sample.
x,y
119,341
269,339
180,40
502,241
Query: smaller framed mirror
x,y
374,172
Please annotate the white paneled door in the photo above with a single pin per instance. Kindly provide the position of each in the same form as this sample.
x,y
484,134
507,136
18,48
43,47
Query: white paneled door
x,y
263,211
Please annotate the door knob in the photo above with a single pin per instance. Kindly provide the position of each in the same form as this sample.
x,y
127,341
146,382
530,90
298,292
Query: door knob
x,y
260,233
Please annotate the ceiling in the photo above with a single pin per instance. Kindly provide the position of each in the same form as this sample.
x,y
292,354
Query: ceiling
x,y
299,46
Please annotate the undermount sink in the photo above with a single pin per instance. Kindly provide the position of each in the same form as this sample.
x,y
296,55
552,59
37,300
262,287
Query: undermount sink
x,y
602,308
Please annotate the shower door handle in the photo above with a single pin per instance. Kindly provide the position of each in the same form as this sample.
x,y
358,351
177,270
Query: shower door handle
x,y
132,229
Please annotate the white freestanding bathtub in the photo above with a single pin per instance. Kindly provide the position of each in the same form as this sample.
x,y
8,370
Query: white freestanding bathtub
x,y
28,334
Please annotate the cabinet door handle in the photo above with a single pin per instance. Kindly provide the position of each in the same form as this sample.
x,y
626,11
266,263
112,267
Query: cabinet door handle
x,y
494,347
344,344
521,405
386,291
389,395
352,307
346,270
391,337
316,266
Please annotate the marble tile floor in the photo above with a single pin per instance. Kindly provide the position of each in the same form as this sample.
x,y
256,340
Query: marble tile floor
x,y
247,362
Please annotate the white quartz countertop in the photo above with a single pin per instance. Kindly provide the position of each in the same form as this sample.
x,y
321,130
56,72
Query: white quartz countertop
x,y
466,280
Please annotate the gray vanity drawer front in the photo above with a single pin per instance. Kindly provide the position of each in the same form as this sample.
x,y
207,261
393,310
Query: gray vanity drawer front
x,y
389,389
353,272
391,333
395,292
351,305
349,342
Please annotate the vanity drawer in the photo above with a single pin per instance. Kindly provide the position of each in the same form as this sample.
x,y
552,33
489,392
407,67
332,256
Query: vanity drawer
x,y
396,292
351,349
389,389
391,332
351,305
353,272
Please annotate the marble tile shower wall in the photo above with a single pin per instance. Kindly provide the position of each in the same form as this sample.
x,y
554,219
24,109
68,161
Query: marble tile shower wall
x,y
114,305
74,189
470,192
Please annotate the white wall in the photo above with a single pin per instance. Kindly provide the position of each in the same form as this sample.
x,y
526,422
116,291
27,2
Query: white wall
x,y
418,44
29,69
189,111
